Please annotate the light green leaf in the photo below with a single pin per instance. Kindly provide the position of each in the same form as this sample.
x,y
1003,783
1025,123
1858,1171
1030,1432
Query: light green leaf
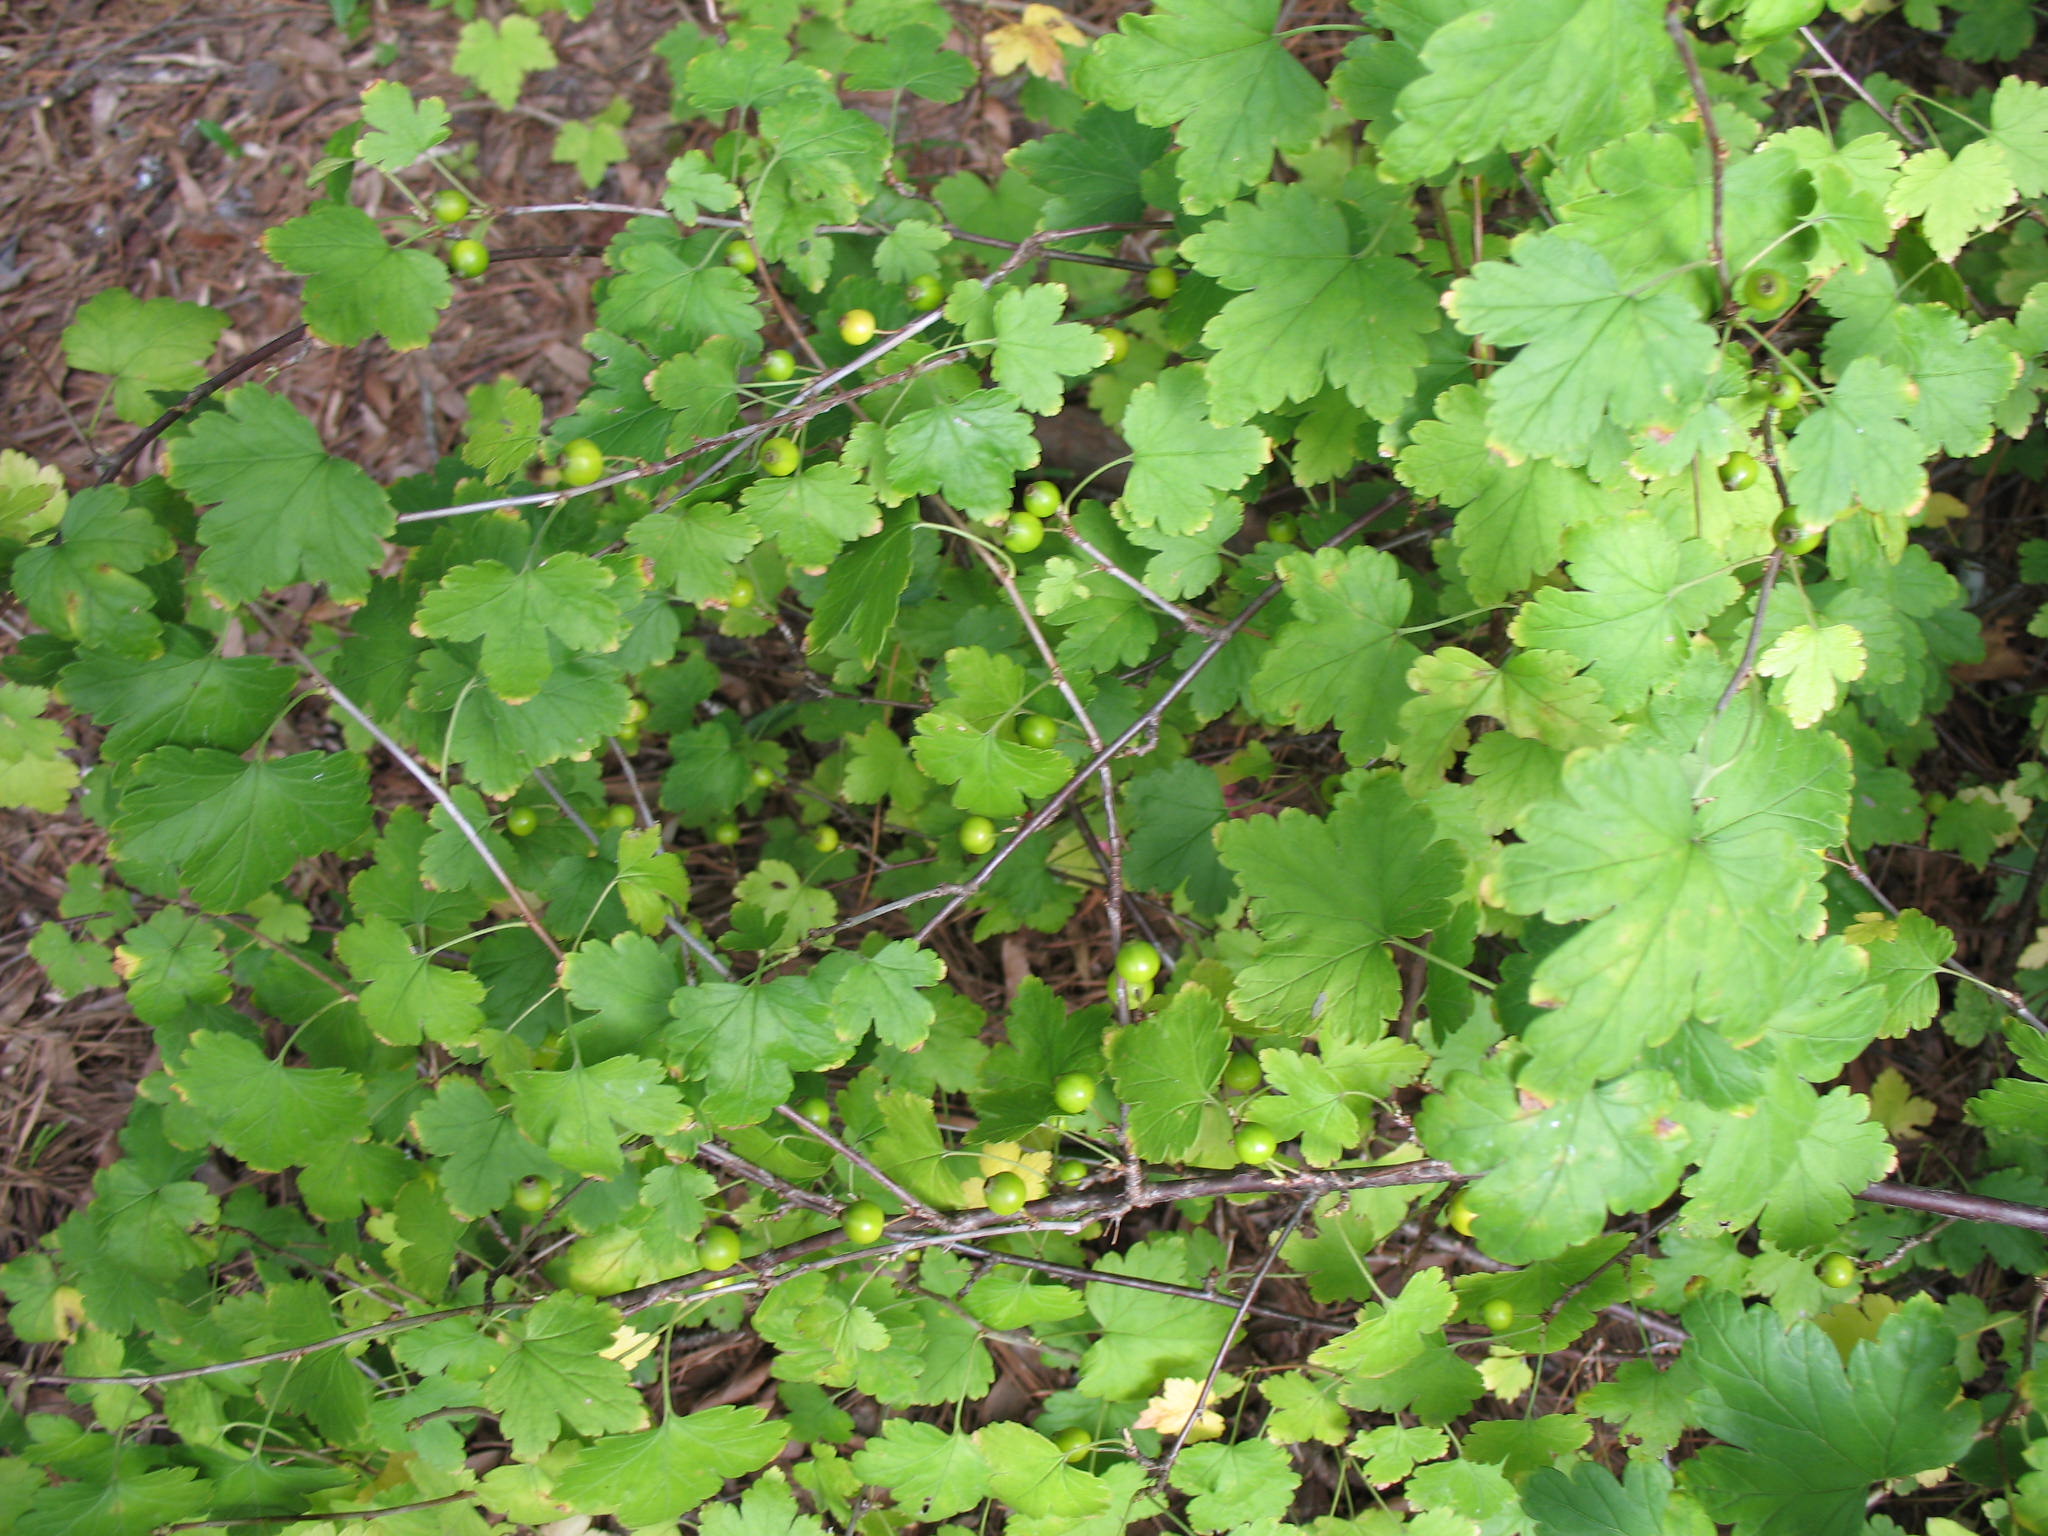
x,y
499,57
1955,197
742,1043
931,1474
578,1112
693,553
659,1475
358,284
1579,72
1179,458
1513,514
812,515
405,995
555,1376
1340,658
513,613
1857,448
148,345
82,587
1030,1474
594,144
1325,299
227,829
1166,1070
33,771
400,129
1327,897
1593,349
483,1152
970,451
269,1115
503,432
1213,72
1642,595
283,511
1812,665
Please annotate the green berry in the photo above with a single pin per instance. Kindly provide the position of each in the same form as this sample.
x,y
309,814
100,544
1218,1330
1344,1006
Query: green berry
x,y
726,833
862,1222
1072,1171
741,594
1738,471
780,456
1838,1271
1498,1314
742,258
826,839
977,835
1039,731
1005,1193
778,366
857,327
1283,530
1162,282
925,292
1241,1074
620,816
1256,1144
1765,293
533,1194
1119,344
521,820
1137,962
469,258
1027,532
1074,1092
1041,499
718,1248
1073,1442
582,462
450,206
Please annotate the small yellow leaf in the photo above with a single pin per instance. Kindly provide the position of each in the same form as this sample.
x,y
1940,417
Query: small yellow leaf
x,y
1942,508
1872,928
1179,1399
1507,1375
629,1346
1893,1106
1035,1168
1033,42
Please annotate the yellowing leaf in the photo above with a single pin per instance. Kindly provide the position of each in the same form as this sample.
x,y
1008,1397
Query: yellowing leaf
x,y
1893,1106
629,1346
1507,1375
1813,664
1034,1168
1179,1399
1033,42
1941,509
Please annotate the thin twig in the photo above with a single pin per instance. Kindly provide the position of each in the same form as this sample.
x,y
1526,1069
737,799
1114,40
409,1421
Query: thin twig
x,y
432,786
1747,665
1164,1469
706,955
226,376
1186,619
1681,39
1835,68
859,1160
1047,813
